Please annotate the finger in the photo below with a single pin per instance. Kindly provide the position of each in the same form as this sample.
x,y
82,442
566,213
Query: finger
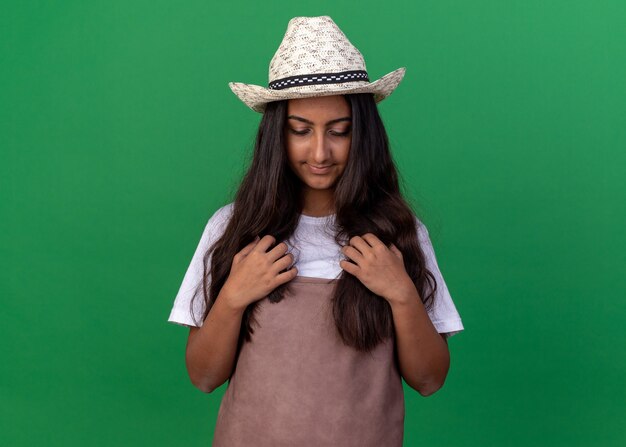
x,y
360,244
352,253
247,249
287,276
283,262
349,267
278,251
372,240
395,250
264,243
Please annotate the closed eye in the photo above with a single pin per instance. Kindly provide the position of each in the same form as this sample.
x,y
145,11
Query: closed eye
x,y
332,132
341,134
304,132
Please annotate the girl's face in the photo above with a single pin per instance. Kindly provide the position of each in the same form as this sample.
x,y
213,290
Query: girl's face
x,y
318,135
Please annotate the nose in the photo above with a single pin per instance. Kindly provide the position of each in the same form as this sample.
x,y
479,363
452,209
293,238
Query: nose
x,y
320,150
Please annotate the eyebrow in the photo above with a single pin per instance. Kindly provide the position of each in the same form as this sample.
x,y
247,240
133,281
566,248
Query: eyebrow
x,y
304,120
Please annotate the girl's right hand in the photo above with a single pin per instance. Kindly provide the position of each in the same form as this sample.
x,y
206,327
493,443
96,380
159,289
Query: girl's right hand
x,y
255,272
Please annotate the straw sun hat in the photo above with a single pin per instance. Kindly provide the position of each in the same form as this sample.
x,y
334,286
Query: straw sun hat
x,y
315,58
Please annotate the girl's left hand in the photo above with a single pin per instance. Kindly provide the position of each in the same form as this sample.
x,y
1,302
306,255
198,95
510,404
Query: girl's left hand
x,y
379,268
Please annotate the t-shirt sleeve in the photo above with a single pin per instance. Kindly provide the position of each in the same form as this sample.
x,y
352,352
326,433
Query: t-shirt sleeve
x,y
443,314
181,312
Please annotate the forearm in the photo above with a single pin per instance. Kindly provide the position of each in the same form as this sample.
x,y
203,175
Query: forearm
x,y
210,353
423,355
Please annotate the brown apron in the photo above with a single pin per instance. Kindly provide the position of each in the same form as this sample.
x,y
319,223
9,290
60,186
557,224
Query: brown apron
x,y
297,384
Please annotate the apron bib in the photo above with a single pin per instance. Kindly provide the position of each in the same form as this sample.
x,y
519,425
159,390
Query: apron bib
x,y
297,384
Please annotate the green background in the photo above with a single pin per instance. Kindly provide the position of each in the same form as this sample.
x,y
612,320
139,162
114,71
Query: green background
x,y
119,138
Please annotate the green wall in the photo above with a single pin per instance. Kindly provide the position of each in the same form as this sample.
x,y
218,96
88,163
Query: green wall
x,y
119,137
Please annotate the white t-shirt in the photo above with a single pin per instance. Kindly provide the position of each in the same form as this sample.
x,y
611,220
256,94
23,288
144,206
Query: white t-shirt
x,y
317,255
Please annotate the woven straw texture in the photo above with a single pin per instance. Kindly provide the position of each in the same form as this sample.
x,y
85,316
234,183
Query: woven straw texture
x,y
315,46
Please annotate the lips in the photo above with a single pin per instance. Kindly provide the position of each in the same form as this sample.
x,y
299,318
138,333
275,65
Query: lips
x,y
319,169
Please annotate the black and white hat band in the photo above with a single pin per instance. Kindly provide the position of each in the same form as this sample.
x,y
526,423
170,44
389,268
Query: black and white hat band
x,y
319,78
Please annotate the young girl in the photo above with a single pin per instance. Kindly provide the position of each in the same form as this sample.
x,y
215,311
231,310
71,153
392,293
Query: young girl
x,y
317,289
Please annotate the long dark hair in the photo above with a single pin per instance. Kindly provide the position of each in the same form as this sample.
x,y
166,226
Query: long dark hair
x,y
367,199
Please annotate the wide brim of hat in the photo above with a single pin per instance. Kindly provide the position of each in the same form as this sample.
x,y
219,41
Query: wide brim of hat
x,y
256,96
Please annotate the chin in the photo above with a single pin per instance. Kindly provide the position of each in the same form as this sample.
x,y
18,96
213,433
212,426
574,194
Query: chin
x,y
320,183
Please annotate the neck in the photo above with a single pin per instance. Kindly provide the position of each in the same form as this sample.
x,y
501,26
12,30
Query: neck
x,y
318,203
